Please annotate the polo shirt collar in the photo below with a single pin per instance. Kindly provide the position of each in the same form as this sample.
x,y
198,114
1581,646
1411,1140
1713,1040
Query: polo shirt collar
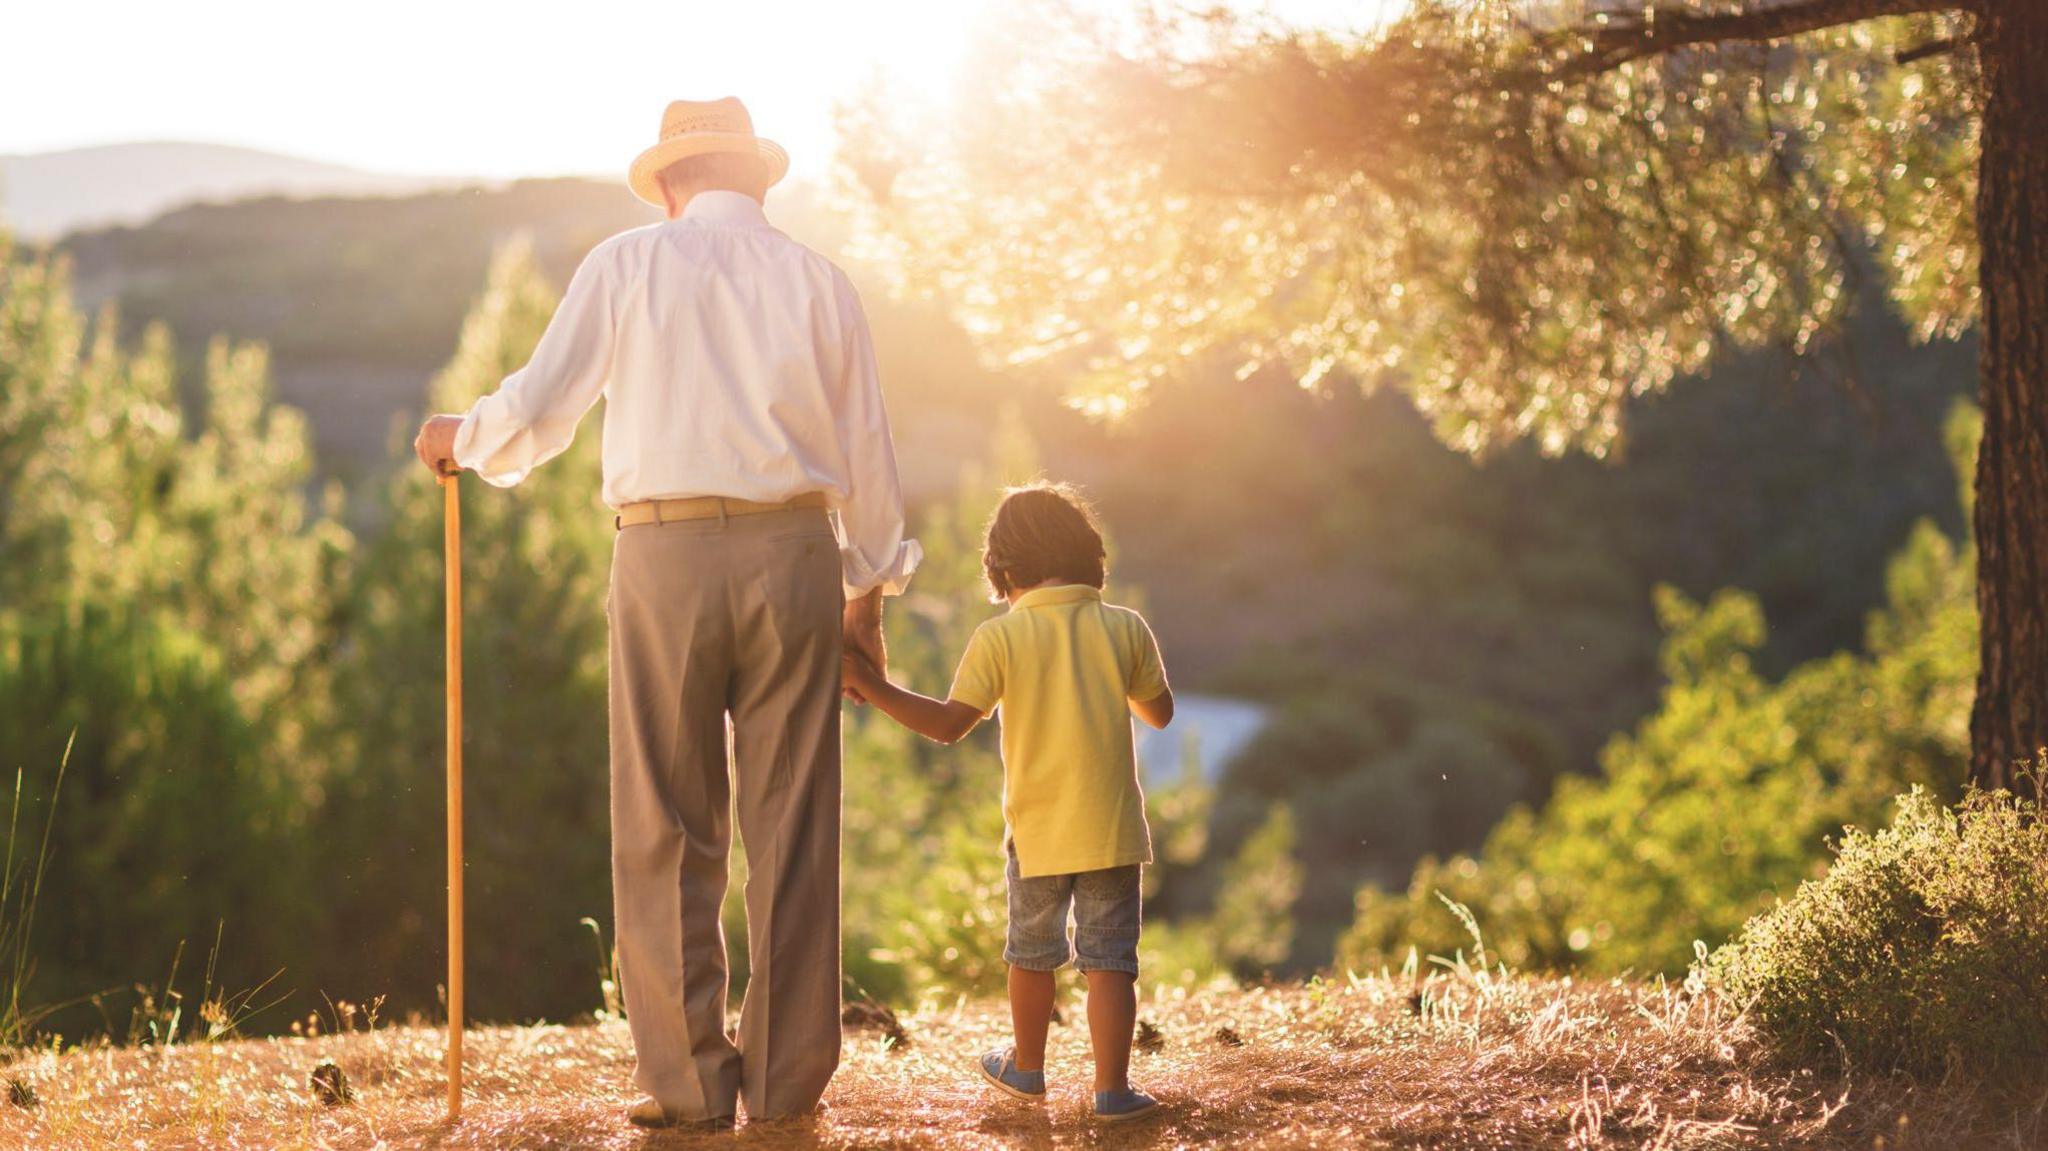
x,y
721,206
1056,594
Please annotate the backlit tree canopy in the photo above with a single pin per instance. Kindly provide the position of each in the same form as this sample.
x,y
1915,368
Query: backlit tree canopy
x,y
1470,203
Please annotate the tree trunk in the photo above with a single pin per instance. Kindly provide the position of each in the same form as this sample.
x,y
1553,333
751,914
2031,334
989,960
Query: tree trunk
x,y
2009,724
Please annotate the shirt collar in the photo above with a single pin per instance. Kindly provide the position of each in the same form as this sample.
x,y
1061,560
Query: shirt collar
x,y
1057,593
720,206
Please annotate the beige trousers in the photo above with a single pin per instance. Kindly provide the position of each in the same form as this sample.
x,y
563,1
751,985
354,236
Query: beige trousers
x,y
713,619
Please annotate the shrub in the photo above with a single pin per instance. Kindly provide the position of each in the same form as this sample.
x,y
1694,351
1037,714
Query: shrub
x,y
1924,948
1253,924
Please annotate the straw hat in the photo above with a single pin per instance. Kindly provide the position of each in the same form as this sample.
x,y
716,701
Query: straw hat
x,y
695,127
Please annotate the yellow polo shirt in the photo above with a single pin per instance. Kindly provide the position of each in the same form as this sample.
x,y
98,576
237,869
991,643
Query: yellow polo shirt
x,y
1064,667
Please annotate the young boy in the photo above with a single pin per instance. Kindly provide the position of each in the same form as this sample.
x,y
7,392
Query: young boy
x,y
1067,670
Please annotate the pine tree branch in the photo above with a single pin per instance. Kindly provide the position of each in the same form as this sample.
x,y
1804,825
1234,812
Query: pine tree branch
x,y
1619,38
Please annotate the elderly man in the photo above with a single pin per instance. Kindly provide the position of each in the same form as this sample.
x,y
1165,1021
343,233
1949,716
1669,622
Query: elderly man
x,y
743,417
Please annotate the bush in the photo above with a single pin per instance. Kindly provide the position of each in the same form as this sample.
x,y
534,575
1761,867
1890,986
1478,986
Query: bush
x,y
1252,928
1924,948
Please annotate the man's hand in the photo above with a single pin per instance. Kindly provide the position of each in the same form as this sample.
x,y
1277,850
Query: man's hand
x,y
435,445
861,628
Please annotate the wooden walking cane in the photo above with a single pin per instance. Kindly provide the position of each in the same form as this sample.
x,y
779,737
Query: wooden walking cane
x,y
452,542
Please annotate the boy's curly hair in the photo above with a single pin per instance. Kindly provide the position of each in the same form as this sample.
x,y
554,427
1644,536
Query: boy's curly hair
x,y
1042,531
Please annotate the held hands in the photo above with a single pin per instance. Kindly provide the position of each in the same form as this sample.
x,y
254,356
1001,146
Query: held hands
x,y
435,445
865,680
860,676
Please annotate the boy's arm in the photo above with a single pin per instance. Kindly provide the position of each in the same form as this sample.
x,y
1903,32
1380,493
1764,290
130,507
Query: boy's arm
x,y
944,720
1150,696
1157,711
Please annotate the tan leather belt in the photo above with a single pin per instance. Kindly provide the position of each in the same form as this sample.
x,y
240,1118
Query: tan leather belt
x,y
705,508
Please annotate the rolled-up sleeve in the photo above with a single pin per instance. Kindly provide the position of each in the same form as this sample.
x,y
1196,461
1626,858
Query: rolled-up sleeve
x,y
532,417
872,548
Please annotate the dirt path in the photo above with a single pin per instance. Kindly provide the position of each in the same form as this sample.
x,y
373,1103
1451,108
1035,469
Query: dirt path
x,y
1469,1064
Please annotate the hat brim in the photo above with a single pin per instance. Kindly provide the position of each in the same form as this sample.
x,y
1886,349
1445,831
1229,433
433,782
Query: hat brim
x,y
644,176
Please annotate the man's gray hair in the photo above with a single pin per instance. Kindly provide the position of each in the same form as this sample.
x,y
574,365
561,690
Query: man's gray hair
x,y
730,171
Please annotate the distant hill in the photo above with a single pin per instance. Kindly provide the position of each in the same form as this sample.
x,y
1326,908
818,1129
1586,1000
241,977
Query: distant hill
x,y
45,195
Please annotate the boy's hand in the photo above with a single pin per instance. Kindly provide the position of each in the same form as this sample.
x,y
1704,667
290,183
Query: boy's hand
x,y
859,674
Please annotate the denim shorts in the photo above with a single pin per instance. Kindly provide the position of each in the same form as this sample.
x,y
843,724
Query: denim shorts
x,y
1106,918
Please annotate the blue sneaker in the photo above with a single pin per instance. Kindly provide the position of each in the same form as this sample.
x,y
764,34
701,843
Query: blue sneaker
x,y
999,1067
1118,1106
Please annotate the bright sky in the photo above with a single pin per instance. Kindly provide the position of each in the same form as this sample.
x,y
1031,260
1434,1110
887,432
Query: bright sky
x,y
434,87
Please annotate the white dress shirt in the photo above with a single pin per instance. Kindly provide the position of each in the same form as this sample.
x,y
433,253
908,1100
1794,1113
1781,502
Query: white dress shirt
x,y
733,362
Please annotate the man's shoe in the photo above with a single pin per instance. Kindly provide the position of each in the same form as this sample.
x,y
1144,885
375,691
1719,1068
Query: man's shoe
x,y
999,1067
649,1113
1119,1106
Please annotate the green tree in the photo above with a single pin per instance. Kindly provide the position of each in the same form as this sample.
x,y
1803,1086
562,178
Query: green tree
x,y
166,595
535,566
1522,216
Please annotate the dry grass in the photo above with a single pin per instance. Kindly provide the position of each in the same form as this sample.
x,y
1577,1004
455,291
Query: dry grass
x,y
1471,1062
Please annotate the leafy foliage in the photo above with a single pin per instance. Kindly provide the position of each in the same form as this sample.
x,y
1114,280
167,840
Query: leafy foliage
x,y
165,596
1466,204
1722,798
1924,948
